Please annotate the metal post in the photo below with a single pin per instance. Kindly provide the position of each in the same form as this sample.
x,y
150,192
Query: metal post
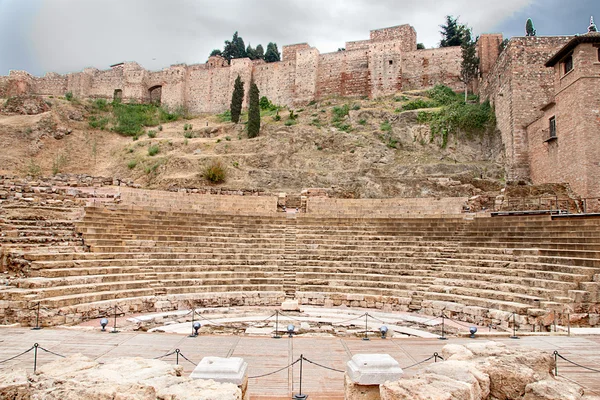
x,y
435,356
193,314
514,336
277,325
366,327
35,347
443,337
300,396
115,323
555,363
569,324
37,318
177,351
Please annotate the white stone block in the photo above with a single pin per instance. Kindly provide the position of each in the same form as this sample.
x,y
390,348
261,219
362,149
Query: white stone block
x,y
373,369
224,370
290,305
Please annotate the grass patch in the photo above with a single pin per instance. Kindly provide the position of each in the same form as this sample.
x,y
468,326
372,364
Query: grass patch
x,y
151,134
386,126
153,150
362,122
215,172
98,122
225,116
130,119
419,103
132,164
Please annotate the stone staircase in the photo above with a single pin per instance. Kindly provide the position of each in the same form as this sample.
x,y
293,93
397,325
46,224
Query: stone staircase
x,y
288,265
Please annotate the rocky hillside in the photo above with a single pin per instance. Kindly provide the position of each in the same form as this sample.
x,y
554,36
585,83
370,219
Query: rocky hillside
x,y
350,147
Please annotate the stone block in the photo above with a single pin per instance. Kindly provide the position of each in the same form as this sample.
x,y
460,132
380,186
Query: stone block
x,y
224,370
354,391
290,305
373,369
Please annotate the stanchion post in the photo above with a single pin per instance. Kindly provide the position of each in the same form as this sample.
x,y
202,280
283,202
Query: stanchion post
x,y
514,336
569,324
300,396
37,319
277,325
366,327
177,351
435,356
115,322
443,337
555,363
193,315
35,347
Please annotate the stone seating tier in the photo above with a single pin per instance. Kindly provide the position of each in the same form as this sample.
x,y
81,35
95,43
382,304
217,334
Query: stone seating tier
x,y
482,269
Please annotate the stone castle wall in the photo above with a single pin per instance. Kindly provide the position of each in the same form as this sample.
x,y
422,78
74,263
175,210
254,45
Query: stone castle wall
x,y
518,86
386,63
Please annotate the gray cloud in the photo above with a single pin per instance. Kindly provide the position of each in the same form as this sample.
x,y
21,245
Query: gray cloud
x,y
68,35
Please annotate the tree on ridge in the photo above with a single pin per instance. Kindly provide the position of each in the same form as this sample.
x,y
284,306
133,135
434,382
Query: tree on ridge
x,y
254,111
237,99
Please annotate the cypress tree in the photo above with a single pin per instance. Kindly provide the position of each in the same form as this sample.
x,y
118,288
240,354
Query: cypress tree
x,y
470,62
260,52
529,29
254,112
453,33
237,98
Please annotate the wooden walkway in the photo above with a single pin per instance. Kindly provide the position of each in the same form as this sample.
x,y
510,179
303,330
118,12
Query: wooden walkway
x,y
265,355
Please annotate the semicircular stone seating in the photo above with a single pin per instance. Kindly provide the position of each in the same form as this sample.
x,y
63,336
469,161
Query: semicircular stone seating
x,y
479,270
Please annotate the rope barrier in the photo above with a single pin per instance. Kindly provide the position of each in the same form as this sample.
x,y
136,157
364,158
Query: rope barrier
x,y
187,359
435,355
322,366
274,372
51,352
166,355
348,320
556,353
18,355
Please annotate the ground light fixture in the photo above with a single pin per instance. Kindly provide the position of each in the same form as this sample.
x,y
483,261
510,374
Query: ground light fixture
x,y
383,330
473,331
290,329
103,323
196,326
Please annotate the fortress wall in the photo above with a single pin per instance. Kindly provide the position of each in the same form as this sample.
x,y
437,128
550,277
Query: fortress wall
x,y
329,74
488,50
3,86
385,68
51,84
288,53
404,35
426,68
276,81
305,85
358,45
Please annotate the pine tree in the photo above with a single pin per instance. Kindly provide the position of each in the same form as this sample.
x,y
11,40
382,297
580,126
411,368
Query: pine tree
x,y
260,52
237,99
216,52
453,33
272,54
234,48
251,53
470,62
254,111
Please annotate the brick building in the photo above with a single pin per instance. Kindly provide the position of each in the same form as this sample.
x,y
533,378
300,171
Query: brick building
x,y
564,143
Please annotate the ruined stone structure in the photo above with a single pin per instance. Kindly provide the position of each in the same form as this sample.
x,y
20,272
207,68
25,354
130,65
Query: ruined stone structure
x,y
383,65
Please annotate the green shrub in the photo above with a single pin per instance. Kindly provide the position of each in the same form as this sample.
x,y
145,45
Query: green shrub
x,y
277,117
132,118
316,122
132,164
443,95
227,138
290,122
386,126
292,116
188,134
153,150
215,172
160,128
362,122
151,134
69,96
340,112
59,162
419,103
225,116
164,115
100,105
356,107
98,123
401,98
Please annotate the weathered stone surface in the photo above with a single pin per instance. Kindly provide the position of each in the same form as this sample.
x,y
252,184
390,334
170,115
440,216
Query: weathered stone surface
x,y
78,377
354,391
373,369
553,389
482,371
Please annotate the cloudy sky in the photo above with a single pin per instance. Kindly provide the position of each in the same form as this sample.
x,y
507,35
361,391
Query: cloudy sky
x,y
67,35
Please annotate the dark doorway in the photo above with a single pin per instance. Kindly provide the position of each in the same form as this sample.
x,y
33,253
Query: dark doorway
x,y
118,95
155,93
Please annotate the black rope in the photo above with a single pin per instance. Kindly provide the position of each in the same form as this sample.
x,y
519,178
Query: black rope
x,y
424,361
322,366
290,317
274,372
187,359
574,363
18,355
51,352
348,320
166,355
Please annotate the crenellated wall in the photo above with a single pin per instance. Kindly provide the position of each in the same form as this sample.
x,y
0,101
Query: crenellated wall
x,y
383,65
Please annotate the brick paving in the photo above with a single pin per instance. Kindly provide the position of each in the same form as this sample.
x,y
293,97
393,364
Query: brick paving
x,y
265,355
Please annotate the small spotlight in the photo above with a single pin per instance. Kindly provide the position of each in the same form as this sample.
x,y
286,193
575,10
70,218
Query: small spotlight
x,y
383,330
103,323
290,329
196,327
473,331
